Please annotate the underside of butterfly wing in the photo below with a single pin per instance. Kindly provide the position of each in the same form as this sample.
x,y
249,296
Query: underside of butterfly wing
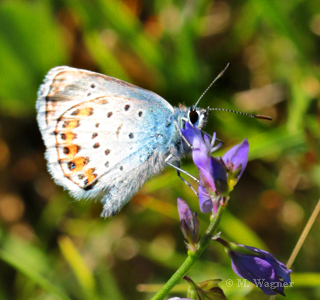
x,y
103,136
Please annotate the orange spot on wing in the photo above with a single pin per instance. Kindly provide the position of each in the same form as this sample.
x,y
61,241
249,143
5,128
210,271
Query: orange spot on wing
x,y
84,112
69,136
71,124
90,176
77,164
71,150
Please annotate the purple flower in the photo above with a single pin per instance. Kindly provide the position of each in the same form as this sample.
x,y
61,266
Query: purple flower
x,y
235,161
189,224
201,155
259,267
201,145
217,175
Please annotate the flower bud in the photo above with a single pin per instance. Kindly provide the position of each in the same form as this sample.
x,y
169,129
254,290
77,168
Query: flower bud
x,y
189,224
236,160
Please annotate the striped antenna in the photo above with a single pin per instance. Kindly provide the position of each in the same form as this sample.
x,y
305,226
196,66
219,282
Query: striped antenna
x,y
242,113
210,85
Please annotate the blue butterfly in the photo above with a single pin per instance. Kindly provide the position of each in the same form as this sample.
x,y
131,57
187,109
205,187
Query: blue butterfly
x,y
106,137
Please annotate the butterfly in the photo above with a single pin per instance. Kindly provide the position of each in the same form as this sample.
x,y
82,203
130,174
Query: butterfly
x,y
105,137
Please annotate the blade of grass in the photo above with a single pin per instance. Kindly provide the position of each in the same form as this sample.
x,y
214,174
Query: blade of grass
x,y
22,257
78,266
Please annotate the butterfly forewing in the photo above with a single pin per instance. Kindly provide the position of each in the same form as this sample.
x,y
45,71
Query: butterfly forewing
x,y
64,87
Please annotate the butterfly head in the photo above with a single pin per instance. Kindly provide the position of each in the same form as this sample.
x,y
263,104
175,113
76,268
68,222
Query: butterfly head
x,y
198,116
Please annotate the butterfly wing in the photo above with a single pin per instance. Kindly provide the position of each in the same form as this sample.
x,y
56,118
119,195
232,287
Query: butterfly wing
x,y
102,134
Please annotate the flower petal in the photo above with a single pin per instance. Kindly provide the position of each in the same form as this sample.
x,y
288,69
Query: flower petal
x,y
219,176
280,268
192,134
184,210
204,201
206,180
237,156
201,146
257,271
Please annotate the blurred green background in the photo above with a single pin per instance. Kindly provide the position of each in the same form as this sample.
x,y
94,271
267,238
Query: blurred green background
x,y
53,247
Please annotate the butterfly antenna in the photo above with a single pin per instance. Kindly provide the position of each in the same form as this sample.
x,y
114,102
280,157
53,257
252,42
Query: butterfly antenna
x,y
210,85
242,113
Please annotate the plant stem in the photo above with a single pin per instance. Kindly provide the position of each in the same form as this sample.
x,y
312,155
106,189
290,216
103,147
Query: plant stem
x,y
303,236
192,256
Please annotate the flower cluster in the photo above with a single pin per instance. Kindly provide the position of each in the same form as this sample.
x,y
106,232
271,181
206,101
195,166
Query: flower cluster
x,y
218,175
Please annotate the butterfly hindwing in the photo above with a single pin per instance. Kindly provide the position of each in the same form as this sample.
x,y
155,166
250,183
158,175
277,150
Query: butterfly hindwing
x,y
104,137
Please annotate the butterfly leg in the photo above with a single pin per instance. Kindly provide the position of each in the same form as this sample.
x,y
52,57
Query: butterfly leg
x,y
186,182
185,172
178,168
187,120
182,136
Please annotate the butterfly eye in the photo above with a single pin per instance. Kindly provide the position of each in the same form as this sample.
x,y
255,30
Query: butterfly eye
x,y
193,116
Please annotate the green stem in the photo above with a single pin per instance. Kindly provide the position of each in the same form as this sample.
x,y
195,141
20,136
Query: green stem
x,y
192,256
